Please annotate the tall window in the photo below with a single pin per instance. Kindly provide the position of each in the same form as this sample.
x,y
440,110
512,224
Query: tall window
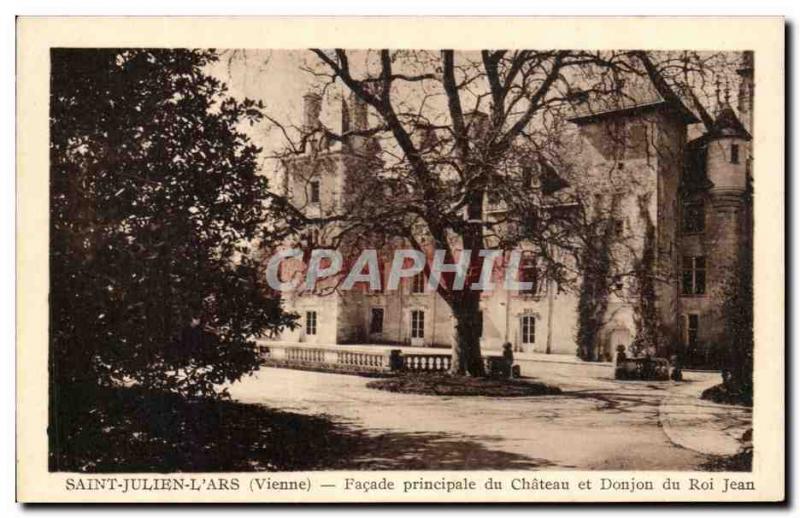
x,y
528,329
417,324
418,283
694,217
376,322
694,275
311,323
529,273
734,153
480,324
314,185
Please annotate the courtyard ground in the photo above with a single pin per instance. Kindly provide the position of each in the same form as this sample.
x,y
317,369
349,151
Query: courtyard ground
x,y
598,423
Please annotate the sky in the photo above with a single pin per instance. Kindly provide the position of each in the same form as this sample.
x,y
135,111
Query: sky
x,y
277,78
273,77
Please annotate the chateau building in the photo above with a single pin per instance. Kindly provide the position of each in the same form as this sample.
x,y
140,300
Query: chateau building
x,y
684,216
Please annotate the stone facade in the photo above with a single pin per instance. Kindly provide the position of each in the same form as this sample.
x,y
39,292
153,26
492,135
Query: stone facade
x,y
671,183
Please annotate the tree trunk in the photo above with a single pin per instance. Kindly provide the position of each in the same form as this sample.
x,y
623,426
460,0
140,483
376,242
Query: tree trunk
x,y
466,359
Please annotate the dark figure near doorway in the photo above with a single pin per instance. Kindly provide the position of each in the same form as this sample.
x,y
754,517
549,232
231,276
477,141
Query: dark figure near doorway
x,y
508,360
677,373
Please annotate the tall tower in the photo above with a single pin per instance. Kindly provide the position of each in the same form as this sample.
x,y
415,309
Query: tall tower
x,y
727,169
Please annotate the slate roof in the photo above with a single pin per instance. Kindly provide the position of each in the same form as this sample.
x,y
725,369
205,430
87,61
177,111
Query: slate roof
x,y
637,94
727,124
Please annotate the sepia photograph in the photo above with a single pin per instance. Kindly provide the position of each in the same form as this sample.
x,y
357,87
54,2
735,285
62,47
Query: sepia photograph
x,y
403,272
400,259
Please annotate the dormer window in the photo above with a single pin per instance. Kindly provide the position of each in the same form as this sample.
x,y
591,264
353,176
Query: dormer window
x,y
314,195
527,177
734,153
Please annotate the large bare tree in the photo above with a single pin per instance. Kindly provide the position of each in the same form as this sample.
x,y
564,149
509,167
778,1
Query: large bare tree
x,y
456,127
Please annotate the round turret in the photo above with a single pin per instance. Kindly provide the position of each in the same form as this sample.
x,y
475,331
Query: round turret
x,y
727,154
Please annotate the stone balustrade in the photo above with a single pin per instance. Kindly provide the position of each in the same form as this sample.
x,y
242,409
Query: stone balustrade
x,y
330,357
301,354
376,360
338,357
372,361
416,362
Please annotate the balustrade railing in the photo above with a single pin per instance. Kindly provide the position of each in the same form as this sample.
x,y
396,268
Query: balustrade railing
x,y
367,360
303,354
416,362
334,357
340,358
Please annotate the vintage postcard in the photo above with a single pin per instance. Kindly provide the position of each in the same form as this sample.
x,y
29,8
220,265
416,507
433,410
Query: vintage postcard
x,y
400,260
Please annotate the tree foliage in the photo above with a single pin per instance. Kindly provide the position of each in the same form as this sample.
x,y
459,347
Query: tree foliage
x,y
737,310
595,289
156,209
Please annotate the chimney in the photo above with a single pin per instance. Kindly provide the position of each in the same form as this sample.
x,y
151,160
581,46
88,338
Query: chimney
x,y
312,106
358,109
